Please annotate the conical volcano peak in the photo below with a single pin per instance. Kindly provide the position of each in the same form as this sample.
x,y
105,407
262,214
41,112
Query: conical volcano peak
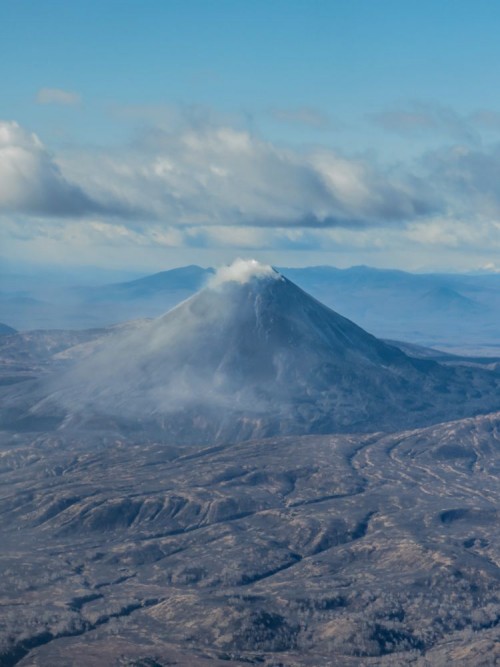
x,y
253,355
243,271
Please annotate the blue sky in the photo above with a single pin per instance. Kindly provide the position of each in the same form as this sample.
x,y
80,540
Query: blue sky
x,y
154,134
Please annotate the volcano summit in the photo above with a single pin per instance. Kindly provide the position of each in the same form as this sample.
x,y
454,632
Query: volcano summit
x,y
252,355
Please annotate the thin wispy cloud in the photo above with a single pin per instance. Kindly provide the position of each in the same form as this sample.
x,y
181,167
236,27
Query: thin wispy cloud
x,y
486,119
307,116
419,118
470,176
58,96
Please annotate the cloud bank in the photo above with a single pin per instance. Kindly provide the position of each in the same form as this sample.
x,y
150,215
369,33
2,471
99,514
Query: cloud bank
x,y
207,184
220,176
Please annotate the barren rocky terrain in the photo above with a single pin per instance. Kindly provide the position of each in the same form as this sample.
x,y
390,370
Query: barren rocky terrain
x,y
374,549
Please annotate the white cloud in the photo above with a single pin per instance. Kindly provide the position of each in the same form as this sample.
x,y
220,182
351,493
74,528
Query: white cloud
x,y
228,177
451,232
205,186
30,180
58,96
34,183
490,267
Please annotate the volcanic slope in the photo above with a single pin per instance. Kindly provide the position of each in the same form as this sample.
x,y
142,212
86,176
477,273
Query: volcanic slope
x,y
252,355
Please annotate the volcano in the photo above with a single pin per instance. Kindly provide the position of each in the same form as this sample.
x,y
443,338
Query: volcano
x,y
144,520
253,355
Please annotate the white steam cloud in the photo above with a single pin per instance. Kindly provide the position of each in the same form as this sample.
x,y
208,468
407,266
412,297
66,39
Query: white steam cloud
x,y
241,271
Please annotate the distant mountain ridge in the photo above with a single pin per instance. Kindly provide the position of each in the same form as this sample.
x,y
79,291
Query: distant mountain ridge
x,y
5,330
190,278
460,312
